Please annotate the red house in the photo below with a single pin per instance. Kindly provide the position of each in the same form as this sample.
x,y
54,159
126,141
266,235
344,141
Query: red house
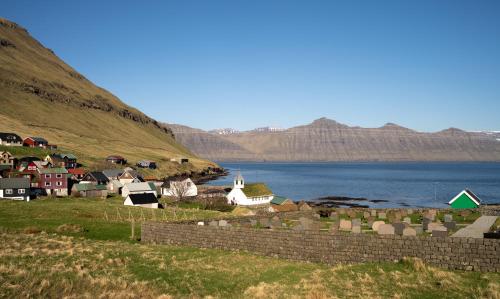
x,y
54,181
35,142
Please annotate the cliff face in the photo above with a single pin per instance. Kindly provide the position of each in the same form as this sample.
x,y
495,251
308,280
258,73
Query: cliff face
x,y
41,95
327,140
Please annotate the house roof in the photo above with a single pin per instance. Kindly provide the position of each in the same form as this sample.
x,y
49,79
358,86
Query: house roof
x,y
62,156
78,171
136,187
10,136
14,183
278,200
287,207
38,139
112,172
469,194
53,170
89,187
256,189
143,198
98,176
166,182
239,177
117,183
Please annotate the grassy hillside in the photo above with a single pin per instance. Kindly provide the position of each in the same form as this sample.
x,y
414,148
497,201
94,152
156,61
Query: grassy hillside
x,y
67,248
41,95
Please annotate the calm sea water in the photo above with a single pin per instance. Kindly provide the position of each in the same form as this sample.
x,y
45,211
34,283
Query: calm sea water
x,y
401,184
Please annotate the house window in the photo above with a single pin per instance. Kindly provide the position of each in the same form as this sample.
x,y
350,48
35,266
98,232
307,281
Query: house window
x,y
47,184
21,191
59,176
47,176
8,191
59,183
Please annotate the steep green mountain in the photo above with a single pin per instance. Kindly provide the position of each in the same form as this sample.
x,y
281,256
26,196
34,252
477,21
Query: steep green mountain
x,y
40,95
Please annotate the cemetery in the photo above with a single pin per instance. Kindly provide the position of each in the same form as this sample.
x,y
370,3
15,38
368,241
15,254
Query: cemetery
x,y
346,236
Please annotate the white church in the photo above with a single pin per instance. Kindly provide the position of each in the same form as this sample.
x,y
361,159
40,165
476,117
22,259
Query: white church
x,y
249,194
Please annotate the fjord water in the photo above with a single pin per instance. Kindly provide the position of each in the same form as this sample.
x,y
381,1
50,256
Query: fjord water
x,y
414,184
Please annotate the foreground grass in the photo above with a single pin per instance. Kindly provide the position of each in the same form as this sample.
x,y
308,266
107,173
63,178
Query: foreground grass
x,y
68,248
50,265
99,219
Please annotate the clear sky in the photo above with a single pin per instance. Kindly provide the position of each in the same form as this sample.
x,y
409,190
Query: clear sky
x,y
427,65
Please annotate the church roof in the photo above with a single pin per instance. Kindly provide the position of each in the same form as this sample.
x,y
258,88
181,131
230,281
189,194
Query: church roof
x,y
239,177
256,189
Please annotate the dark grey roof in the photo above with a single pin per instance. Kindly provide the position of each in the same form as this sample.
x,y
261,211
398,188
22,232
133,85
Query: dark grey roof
x,y
14,183
99,176
143,198
10,136
112,172
39,139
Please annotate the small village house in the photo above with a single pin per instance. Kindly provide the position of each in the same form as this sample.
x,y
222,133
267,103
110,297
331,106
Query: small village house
x,y
145,200
15,188
54,181
137,188
89,190
465,200
76,174
35,142
146,164
114,186
282,204
249,194
62,160
116,159
179,187
95,177
10,139
112,174
130,176
7,158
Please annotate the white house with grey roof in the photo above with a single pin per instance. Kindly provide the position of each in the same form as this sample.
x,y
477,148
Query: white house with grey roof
x,y
137,188
15,188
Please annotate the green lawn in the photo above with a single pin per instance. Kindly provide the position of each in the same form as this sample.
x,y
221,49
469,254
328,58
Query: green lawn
x,y
39,258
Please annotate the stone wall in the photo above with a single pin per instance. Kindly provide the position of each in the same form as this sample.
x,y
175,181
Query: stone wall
x,y
316,246
490,210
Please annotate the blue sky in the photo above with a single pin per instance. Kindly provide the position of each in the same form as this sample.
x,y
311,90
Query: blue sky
x,y
427,65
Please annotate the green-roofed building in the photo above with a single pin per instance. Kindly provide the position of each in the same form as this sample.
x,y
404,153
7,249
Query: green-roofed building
x,y
249,194
280,200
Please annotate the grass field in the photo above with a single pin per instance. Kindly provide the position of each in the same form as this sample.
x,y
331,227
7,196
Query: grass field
x,y
82,248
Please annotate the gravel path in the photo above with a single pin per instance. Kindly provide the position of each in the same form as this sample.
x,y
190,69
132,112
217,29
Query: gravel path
x,y
476,229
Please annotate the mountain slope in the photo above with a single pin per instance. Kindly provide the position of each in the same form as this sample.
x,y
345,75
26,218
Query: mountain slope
x,y
328,140
42,95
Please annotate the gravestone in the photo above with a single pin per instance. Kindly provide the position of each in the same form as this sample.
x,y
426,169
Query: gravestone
x,y
345,225
351,213
448,218
398,228
222,223
403,213
201,223
407,220
409,211
366,215
439,233
419,230
435,226
213,223
373,213
425,223
316,216
409,231
376,225
356,229
356,221
370,221
382,215
275,222
451,225
264,222
386,229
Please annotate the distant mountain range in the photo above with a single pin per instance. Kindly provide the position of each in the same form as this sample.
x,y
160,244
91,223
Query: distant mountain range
x,y
327,140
